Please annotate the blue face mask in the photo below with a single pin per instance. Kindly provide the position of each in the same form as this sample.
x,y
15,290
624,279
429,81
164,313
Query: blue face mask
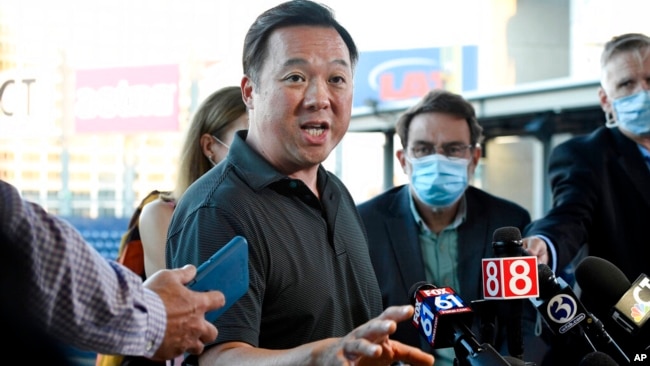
x,y
633,113
437,180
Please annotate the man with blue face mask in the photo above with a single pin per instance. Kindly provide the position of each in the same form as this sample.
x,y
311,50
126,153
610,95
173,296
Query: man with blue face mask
x,y
437,228
601,182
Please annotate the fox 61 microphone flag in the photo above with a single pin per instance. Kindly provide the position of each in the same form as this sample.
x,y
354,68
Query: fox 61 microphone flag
x,y
436,309
510,278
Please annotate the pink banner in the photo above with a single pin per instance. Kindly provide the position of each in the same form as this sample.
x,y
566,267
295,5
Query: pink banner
x,y
133,99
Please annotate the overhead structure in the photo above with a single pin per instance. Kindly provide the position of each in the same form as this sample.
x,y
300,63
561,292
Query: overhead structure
x,y
540,109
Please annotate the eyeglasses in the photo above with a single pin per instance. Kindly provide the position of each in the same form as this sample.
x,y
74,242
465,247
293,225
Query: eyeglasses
x,y
452,151
221,142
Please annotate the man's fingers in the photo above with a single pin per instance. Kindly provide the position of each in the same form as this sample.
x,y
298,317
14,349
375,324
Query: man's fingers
x,y
210,300
196,348
209,332
360,347
382,326
397,313
410,355
187,273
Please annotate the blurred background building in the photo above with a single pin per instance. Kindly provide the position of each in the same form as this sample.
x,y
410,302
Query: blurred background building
x,y
95,96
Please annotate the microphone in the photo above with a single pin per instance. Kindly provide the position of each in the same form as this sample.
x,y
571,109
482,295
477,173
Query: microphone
x,y
565,314
512,276
442,318
597,359
486,310
633,309
602,283
507,242
619,301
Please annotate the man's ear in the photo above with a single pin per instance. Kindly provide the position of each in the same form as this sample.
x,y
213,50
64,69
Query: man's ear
x,y
401,157
476,154
247,91
605,103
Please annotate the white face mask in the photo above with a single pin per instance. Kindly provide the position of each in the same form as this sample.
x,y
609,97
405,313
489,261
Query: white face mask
x,y
632,113
437,180
221,142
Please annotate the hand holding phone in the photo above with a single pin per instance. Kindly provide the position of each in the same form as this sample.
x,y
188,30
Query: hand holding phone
x,y
225,271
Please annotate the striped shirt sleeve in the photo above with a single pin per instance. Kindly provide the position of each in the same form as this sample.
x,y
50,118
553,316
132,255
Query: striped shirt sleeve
x,y
79,297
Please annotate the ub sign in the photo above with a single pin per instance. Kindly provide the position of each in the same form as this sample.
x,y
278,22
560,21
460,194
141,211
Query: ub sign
x,y
400,76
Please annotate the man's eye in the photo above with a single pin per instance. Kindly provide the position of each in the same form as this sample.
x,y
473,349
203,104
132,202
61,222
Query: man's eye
x,y
294,78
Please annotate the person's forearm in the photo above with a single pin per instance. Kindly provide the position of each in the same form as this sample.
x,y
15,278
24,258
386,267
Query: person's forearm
x,y
74,293
137,321
236,353
114,313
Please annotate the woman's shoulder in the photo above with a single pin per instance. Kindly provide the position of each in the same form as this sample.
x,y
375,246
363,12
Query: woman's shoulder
x,y
168,199
160,208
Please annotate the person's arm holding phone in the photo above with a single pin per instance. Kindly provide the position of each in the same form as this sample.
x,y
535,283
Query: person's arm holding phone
x,y
85,301
187,329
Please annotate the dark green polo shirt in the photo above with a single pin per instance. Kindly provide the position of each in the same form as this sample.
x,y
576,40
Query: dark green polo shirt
x,y
310,273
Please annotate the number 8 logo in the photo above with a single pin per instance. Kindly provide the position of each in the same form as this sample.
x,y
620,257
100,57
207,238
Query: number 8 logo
x,y
522,276
492,282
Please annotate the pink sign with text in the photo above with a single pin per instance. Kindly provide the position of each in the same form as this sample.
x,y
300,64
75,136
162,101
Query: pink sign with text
x,y
128,99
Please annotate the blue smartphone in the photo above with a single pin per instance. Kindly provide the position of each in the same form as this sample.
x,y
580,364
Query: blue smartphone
x,y
225,271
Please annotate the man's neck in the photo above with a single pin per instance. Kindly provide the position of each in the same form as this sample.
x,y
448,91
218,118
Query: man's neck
x,y
641,140
437,219
645,142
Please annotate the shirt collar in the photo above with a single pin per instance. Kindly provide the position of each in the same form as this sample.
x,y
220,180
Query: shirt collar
x,y
257,171
646,154
250,164
460,214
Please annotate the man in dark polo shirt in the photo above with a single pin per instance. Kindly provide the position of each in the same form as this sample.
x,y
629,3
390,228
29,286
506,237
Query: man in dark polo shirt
x,y
313,295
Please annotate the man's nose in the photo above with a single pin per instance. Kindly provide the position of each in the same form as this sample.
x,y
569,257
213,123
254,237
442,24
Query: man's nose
x,y
317,95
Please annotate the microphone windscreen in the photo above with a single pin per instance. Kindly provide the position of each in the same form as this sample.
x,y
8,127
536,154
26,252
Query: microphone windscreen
x,y
598,276
548,286
505,234
417,287
514,361
597,359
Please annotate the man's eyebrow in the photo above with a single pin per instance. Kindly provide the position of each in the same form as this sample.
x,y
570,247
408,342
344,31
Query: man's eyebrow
x,y
295,61
341,62
422,142
302,61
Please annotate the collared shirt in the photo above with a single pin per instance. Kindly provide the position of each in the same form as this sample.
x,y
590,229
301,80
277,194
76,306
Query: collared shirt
x,y
440,257
310,274
440,251
646,155
77,296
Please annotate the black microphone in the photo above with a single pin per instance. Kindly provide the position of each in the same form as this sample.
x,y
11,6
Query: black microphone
x,y
442,318
597,359
632,311
625,304
565,315
486,310
507,242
